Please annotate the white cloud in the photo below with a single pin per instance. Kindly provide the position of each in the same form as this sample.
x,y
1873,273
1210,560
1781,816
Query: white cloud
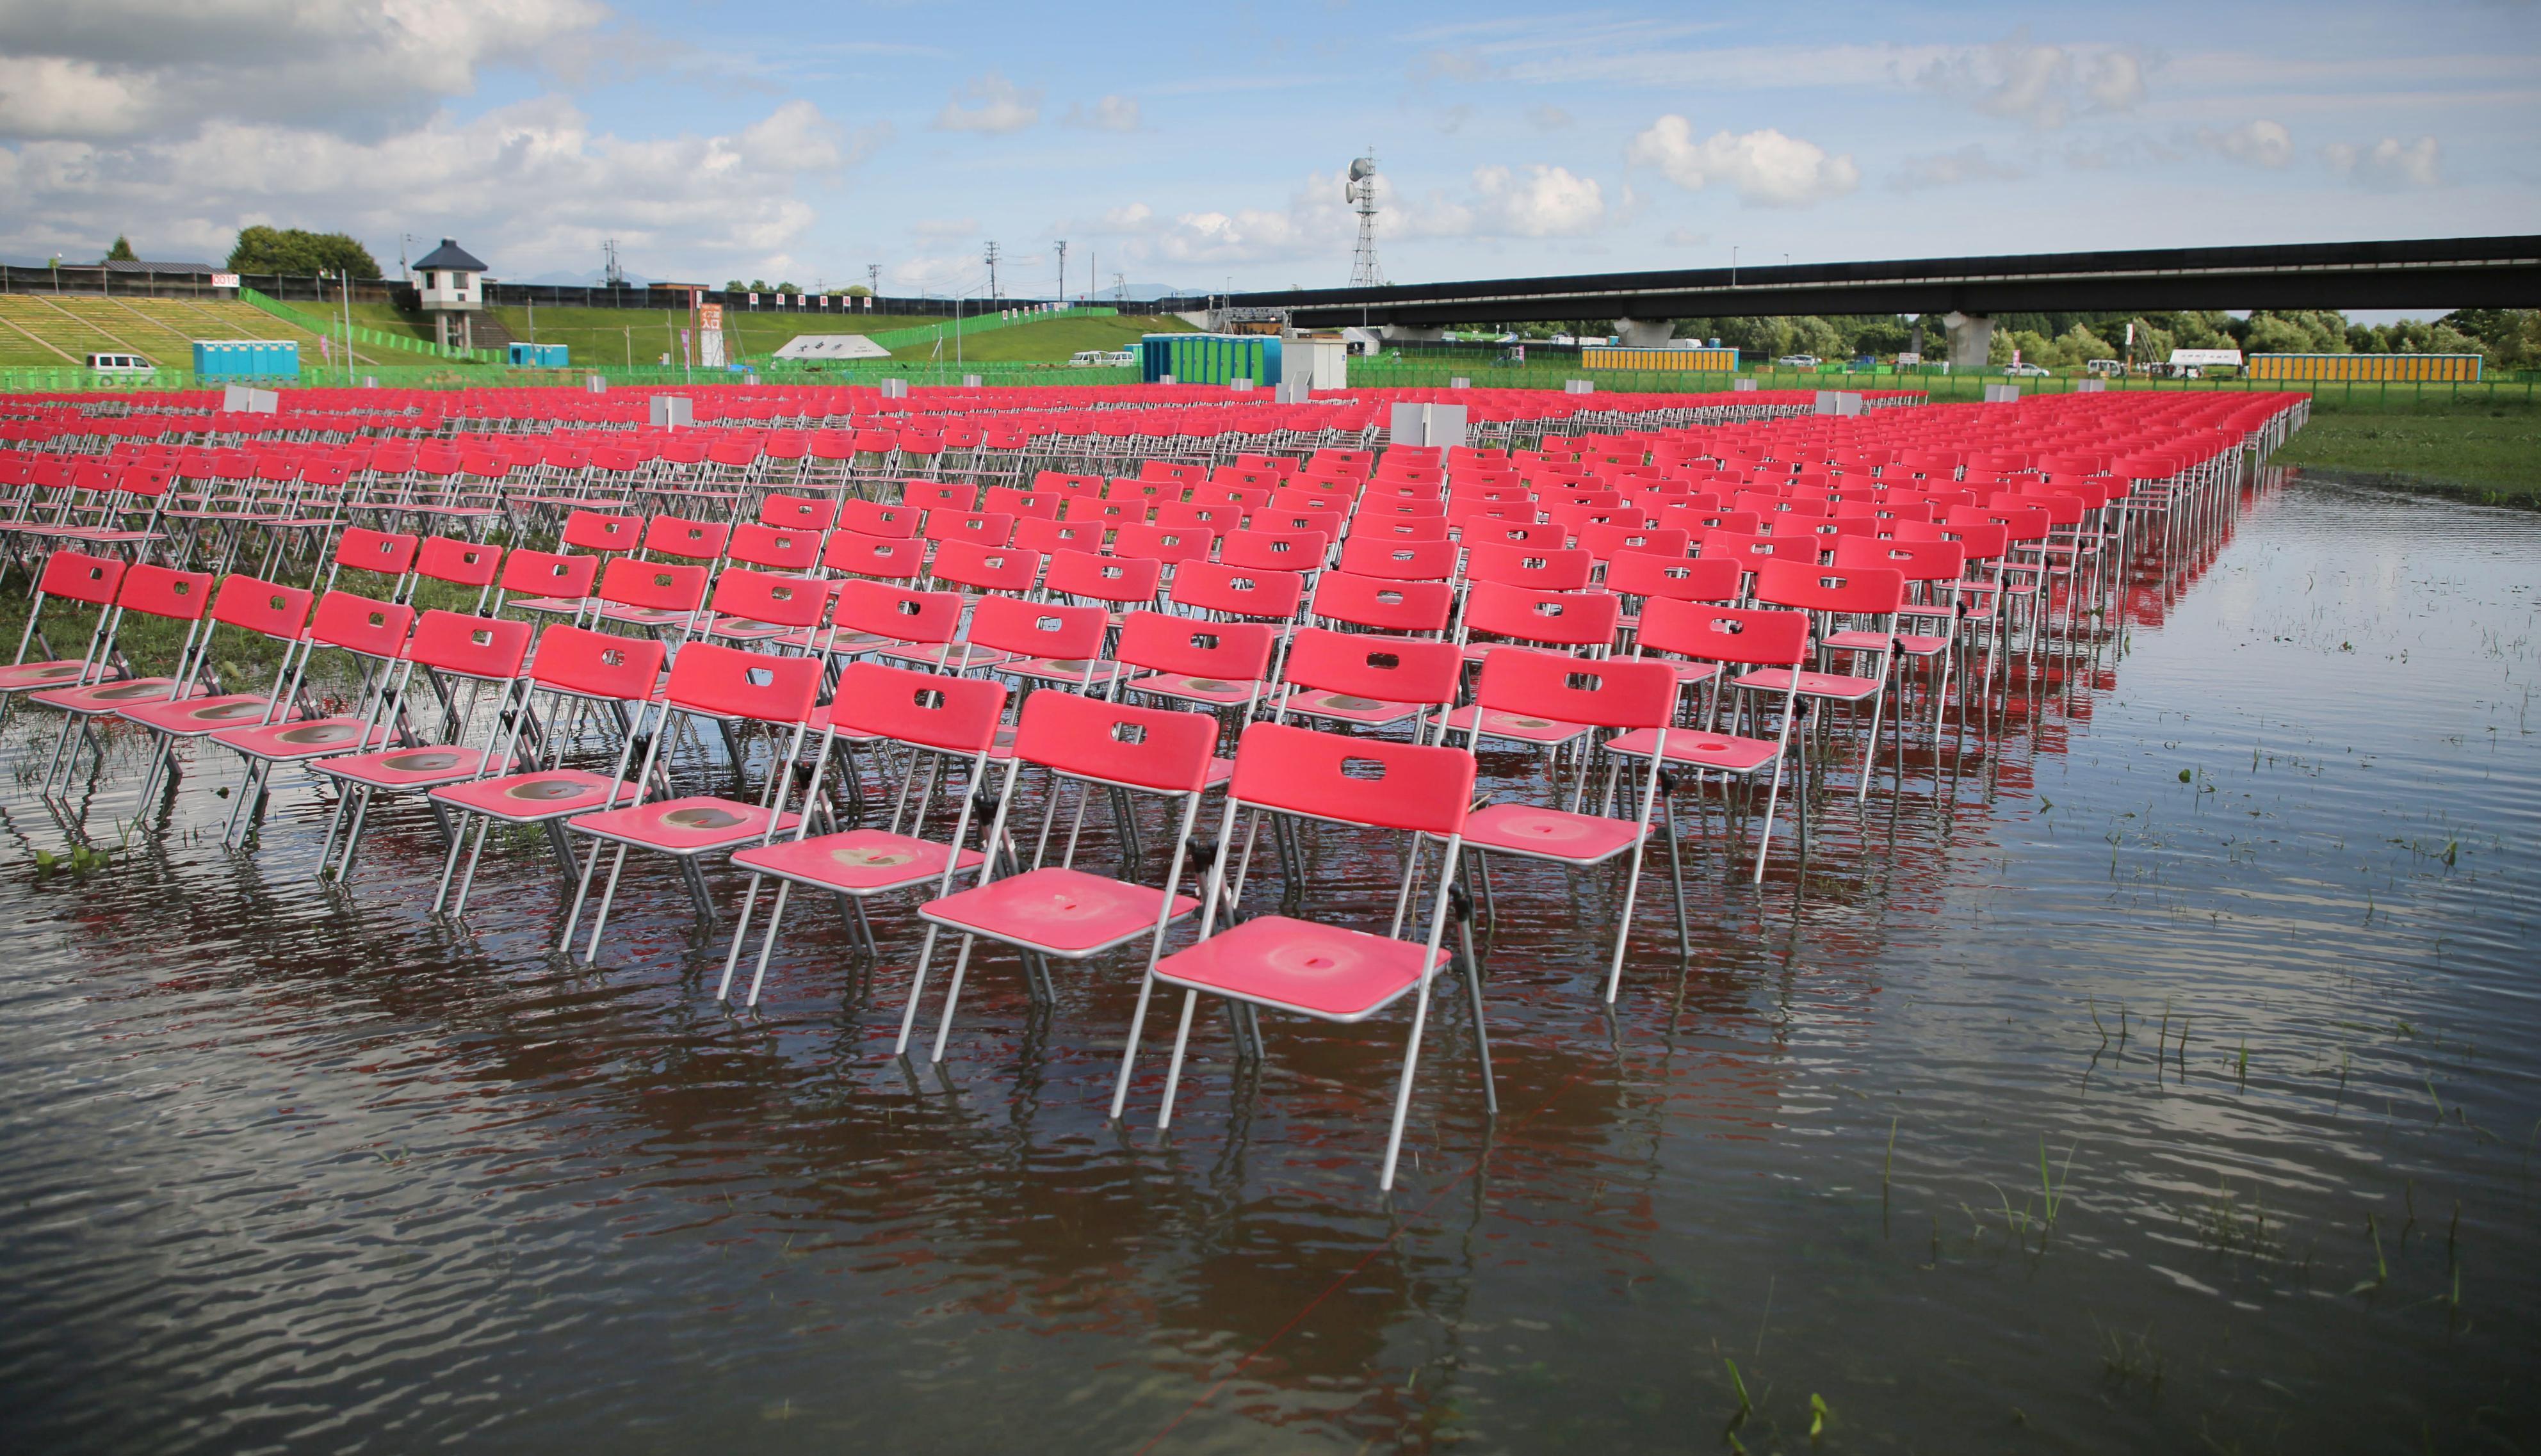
x,y
1547,118
1537,201
998,105
2388,163
2260,143
526,187
1685,238
101,70
1969,164
2039,86
946,227
1766,167
1111,113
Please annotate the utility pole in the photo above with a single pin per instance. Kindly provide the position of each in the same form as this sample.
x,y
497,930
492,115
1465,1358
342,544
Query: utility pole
x,y
873,280
993,272
1062,272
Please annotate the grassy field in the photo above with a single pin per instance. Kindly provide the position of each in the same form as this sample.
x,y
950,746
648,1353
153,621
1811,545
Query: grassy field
x,y
2486,450
605,336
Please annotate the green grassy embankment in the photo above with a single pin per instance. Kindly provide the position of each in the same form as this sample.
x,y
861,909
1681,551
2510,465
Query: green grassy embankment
x,y
600,338
1050,340
2482,450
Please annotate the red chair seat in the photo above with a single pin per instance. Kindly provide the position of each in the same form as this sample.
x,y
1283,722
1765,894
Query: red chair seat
x,y
948,654
1322,971
1188,689
1913,644
1840,686
1497,724
25,677
1723,753
98,698
1064,913
1341,706
407,767
528,798
859,861
318,737
1059,669
689,826
200,717
1539,832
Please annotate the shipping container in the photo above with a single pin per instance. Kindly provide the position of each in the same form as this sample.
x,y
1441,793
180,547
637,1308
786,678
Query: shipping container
x,y
1708,361
1209,358
247,358
539,356
2463,368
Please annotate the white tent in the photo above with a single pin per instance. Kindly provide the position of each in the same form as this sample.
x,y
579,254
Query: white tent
x,y
832,346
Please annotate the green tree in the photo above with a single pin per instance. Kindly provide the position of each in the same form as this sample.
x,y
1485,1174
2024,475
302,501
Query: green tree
x,y
121,252
2078,345
859,290
734,285
759,286
263,249
787,288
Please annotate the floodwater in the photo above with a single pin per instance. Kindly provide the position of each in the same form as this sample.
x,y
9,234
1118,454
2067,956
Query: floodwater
x,y
2233,932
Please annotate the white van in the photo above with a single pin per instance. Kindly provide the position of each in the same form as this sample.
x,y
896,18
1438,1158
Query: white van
x,y
120,364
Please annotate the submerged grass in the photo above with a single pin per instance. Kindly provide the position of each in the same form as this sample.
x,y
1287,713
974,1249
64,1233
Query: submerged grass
x,y
2485,450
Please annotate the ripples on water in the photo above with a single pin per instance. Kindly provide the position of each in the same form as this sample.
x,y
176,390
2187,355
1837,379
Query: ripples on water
x,y
293,1167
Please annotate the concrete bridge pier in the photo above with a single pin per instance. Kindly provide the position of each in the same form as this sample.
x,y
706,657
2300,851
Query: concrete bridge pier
x,y
1645,333
1971,338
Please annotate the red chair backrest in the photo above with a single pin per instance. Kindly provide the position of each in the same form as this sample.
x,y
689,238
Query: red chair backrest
x,y
892,558
770,597
1914,560
1374,781
385,553
469,646
691,540
1161,541
1383,603
958,715
594,531
779,549
596,664
1212,586
1877,590
547,575
1540,568
1114,743
1685,579
458,562
1224,651
361,625
1044,629
161,591
1398,560
897,521
1274,550
91,579
1380,668
264,607
1569,618
1732,634
985,568
655,585
1615,693
979,528
728,683
884,610
1121,578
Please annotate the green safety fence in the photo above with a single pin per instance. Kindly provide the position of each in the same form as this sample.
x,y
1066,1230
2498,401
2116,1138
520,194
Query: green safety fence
x,y
362,335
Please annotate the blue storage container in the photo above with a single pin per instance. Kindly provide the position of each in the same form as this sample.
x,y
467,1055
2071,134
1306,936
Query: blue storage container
x,y
539,356
1210,358
247,358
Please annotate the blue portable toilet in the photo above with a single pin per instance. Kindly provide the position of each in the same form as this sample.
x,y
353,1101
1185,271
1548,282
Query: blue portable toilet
x,y
539,356
247,358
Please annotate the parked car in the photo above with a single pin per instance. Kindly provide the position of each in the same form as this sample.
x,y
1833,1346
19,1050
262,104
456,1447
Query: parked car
x,y
2104,366
120,364
2027,371
1798,361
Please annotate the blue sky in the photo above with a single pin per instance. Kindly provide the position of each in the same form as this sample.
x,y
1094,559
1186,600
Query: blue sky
x,y
1203,146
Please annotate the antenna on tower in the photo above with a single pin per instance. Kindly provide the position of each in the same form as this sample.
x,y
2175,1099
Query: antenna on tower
x,y
993,272
612,273
1359,191
1061,244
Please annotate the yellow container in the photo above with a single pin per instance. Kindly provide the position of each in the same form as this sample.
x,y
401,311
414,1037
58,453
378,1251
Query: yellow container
x,y
2437,368
1702,361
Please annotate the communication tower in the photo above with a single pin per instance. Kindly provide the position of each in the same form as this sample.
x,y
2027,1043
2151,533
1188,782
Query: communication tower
x,y
1359,191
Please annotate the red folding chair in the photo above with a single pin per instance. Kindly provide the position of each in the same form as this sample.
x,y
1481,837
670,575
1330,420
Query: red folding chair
x,y
950,723
733,687
1307,967
572,666
1718,637
1056,910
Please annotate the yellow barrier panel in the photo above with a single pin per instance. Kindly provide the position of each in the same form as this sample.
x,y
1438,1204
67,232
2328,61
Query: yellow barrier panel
x,y
2365,366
